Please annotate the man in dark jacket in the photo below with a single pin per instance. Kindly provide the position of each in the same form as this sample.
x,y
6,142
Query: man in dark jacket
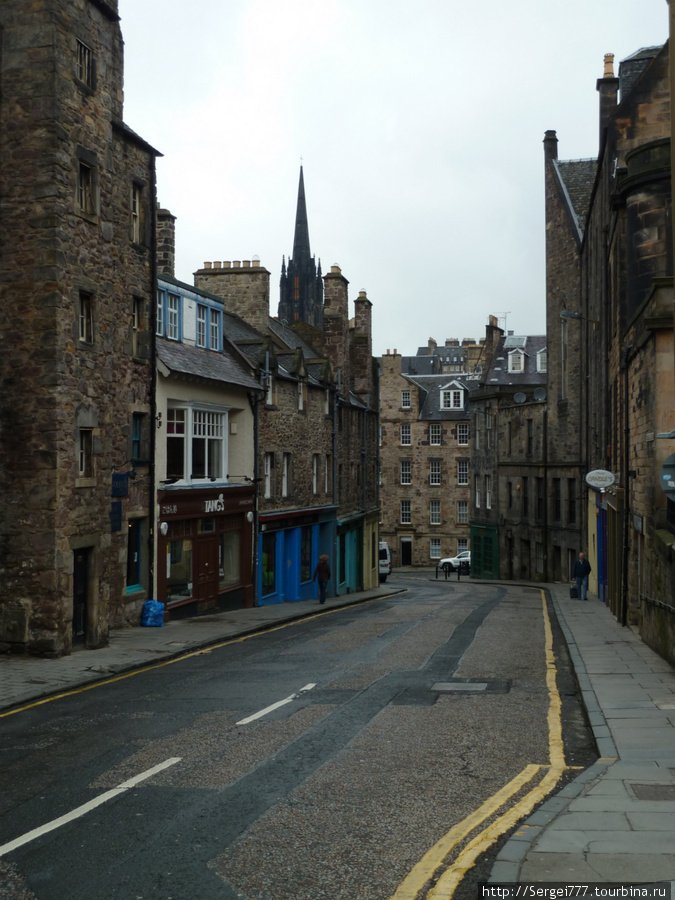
x,y
322,574
582,569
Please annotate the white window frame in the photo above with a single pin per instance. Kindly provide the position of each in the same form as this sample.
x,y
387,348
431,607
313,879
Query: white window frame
x,y
173,316
435,434
86,318
268,467
542,360
434,548
488,492
435,471
462,471
406,471
136,206
85,453
463,434
435,512
285,474
462,512
201,325
477,494
405,512
518,367
202,422
160,313
462,545
406,434
214,329
315,473
405,399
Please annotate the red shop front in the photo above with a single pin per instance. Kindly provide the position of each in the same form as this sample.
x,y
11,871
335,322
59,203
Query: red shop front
x,y
205,549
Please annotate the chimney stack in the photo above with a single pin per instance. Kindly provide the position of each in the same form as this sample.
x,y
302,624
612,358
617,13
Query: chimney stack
x,y
608,88
166,243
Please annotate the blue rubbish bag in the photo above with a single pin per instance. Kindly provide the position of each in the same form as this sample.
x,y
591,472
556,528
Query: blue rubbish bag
x,y
153,614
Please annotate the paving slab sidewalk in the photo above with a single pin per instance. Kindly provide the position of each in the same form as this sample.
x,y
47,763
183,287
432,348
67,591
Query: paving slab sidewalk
x,y
616,821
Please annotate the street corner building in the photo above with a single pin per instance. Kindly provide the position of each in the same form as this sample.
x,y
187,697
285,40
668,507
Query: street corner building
x,y
609,298
77,279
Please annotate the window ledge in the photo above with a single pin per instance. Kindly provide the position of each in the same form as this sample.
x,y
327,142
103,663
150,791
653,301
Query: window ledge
x,y
85,482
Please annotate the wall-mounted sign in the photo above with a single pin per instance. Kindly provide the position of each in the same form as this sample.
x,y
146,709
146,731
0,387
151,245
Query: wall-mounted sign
x,y
600,479
667,476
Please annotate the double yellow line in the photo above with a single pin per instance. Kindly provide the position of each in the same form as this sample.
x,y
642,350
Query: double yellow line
x,y
433,860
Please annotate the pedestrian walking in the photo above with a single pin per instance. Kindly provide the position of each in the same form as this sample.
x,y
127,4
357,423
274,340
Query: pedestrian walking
x,y
582,569
322,575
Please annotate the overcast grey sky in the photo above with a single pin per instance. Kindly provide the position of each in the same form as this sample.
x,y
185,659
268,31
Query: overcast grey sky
x,y
420,126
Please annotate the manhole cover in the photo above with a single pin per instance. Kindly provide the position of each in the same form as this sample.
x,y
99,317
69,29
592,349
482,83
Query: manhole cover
x,y
654,791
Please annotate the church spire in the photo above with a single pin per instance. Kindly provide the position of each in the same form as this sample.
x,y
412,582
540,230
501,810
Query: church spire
x,y
301,250
301,286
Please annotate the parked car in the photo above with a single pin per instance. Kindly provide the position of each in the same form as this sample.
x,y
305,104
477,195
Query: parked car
x,y
453,562
385,561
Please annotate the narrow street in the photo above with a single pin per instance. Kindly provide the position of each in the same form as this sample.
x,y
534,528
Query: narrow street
x,y
323,760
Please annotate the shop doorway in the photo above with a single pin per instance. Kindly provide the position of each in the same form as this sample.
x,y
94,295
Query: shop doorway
x,y
206,571
81,575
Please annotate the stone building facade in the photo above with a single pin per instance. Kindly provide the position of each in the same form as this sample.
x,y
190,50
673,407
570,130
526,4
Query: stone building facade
x,y
622,324
207,391
425,449
317,458
516,502
76,275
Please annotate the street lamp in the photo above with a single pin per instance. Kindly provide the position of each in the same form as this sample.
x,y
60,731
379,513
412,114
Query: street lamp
x,y
568,314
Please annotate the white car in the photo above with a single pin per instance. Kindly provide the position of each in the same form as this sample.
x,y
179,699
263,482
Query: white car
x,y
453,562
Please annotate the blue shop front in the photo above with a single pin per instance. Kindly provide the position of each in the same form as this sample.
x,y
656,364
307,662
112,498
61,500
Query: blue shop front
x,y
289,546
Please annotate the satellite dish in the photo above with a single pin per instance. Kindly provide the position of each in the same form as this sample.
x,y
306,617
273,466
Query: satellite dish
x,y
540,394
519,397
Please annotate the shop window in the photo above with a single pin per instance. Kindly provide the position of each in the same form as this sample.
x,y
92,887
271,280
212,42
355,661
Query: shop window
x,y
229,557
269,543
179,567
306,553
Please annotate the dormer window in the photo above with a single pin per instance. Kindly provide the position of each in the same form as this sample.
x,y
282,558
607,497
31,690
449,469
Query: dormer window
x,y
516,361
542,360
452,399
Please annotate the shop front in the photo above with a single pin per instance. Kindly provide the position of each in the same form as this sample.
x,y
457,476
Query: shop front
x,y
289,547
204,549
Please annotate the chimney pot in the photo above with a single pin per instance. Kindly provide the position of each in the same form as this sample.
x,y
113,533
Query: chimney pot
x,y
335,269
207,265
217,264
236,264
609,66
246,263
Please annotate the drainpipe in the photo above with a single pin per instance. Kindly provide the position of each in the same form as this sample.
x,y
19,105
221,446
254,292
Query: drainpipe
x,y
336,400
546,533
256,489
152,487
627,356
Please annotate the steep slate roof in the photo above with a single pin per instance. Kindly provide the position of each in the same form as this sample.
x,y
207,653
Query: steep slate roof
x,y
204,364
498,374
632,67
292,340
576,179
419,365
431,385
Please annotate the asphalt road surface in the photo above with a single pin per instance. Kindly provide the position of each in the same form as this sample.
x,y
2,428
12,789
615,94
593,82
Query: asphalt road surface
x,y
319,761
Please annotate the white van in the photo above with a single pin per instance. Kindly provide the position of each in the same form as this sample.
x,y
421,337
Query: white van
x,y
385,561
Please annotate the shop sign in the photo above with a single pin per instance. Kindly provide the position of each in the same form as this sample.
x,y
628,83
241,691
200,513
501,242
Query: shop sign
x,y
186,504
667,477
600,479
